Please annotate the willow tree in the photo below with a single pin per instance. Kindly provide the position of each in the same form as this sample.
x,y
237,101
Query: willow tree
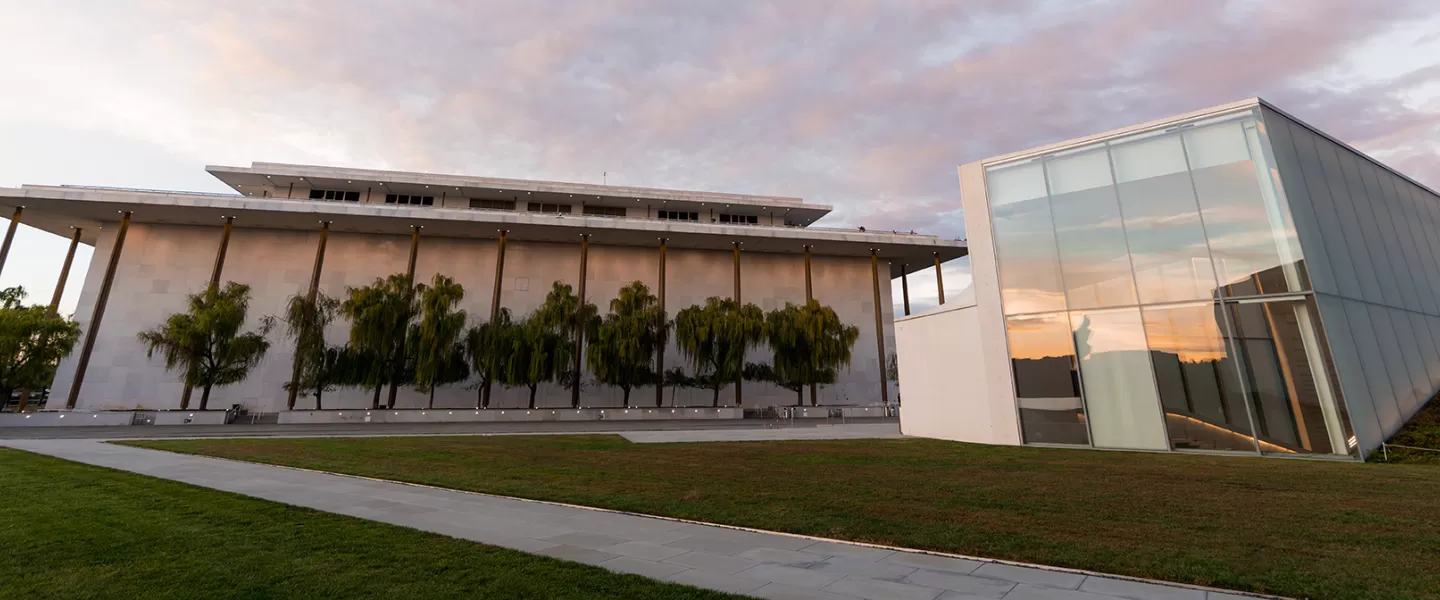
x,y
205,344
379,315
622,351
316,363
714,339
810,344
32,342
487,348
537,355
435,343
563,314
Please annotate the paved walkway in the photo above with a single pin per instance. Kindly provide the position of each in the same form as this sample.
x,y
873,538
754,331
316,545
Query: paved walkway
x,y
395,429
765,565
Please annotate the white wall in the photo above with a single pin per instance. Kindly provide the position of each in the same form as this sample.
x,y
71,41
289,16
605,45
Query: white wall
x,y
942,372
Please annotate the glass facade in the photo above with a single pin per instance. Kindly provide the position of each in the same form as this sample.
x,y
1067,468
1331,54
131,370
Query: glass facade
x,y
1156,295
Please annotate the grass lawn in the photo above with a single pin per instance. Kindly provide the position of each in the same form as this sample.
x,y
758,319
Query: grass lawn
x,y
1423,431
1313,529
77,531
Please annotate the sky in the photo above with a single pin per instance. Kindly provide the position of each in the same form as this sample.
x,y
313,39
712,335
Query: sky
x,y
864,105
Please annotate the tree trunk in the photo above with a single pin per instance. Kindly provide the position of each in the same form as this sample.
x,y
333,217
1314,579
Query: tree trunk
x,y
390,400
800,395
813,401
318,392
5,397
480,395
205,397
431,405
715,399
24,399
185,398
532,396
626,389
485,394
375,403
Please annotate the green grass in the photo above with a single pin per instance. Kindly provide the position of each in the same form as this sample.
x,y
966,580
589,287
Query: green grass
x,y
1316,529
1423,431
75,531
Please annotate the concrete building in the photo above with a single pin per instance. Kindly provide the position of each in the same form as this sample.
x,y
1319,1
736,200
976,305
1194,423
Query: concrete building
x,y
1227,280
503,239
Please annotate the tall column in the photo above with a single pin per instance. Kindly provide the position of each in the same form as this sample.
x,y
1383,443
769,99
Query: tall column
x,y
10,236
739,378
660,349
220,254
809,295
939,278
495,305
809,290
310,300
579,330
398,362
905,288
55,299
93,327
64,273
879,327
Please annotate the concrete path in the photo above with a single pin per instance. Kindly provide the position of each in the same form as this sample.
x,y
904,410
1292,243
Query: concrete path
x,y
394,429
764,565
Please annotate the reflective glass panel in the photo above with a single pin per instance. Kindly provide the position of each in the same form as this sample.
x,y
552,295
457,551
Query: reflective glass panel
x,y
1046,387
1287,378
1162,220
1119,385
1088,233
1024,239
1252,238
1197,378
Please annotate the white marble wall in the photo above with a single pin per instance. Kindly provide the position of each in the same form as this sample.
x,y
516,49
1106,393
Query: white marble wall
x,y
160,264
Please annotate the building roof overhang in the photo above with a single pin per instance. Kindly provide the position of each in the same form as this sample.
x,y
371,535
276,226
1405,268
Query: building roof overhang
x,y
278,179
59,209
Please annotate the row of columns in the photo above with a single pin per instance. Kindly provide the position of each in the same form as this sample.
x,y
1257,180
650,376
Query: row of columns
x,y
107,284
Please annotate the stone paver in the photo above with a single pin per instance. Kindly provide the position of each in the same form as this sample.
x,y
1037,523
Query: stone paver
x,y
764,565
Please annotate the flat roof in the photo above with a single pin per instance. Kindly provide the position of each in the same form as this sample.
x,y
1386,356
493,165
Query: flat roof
x,y
1218,109
58,209
274,179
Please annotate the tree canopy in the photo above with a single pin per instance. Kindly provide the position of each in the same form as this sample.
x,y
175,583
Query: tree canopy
x,y
622,350
205,344
32,342
488,347
564,315
714,339
809,345
318,365
379,315
435,343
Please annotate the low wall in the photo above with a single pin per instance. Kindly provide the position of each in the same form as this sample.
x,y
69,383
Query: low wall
x,y
67,418
494,415
189,417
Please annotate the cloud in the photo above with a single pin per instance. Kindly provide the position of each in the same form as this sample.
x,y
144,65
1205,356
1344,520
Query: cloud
x,y
864,105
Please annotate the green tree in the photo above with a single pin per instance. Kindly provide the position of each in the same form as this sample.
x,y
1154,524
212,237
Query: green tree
x,y
32,342
306,320
563,314
622,351
380,314
714,339
327,369
205,344
537,355
810,344
488,347
435,342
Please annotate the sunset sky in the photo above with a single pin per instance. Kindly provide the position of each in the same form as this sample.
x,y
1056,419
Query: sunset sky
x,y
867,106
